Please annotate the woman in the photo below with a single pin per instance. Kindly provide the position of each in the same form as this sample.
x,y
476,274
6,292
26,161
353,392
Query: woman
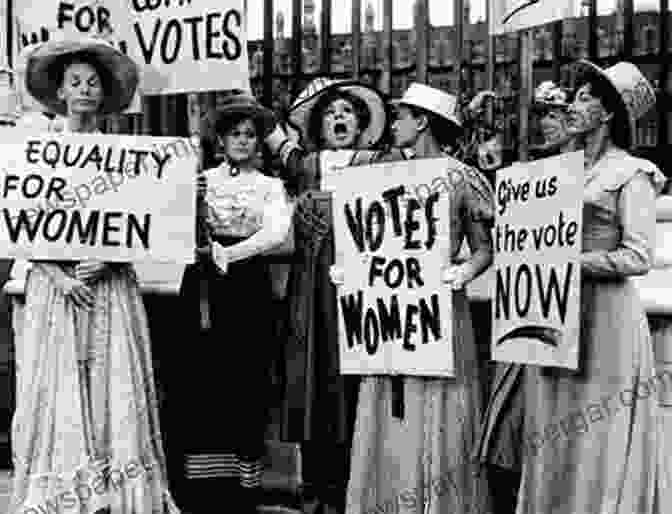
x,y
501,440
86,398
339,123
550,104
246,215
591,438
412,444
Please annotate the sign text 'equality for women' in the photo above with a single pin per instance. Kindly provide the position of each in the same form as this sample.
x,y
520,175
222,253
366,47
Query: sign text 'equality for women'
x,y
395,315
142,209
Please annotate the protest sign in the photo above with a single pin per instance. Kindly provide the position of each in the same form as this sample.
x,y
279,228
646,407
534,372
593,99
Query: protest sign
x,y
512,15
537,243
395,315
182,46
189,45
85,196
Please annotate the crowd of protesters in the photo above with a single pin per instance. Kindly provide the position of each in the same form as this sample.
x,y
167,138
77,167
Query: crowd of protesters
x,y
85,381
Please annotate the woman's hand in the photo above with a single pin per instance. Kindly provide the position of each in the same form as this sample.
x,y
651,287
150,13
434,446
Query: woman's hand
x,y
77,291
457,276
221,257
337,275
91,271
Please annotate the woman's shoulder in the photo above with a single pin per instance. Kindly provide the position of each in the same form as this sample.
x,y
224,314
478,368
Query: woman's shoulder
x,y
619,167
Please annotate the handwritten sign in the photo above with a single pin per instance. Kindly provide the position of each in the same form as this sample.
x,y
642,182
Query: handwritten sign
x,y
537,242
111,198
395,315
181,46
512,15
190,45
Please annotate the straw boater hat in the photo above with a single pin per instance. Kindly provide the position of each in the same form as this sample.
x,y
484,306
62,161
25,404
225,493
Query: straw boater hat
x,y
549,95
301,109
432,100
634,90
238,103
42,61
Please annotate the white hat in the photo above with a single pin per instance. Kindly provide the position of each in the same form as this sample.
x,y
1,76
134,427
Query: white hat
x,y
549,94
302,108
432,100
635,91
42,59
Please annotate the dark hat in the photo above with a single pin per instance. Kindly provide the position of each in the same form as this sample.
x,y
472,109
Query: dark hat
x,y
242,104
42,62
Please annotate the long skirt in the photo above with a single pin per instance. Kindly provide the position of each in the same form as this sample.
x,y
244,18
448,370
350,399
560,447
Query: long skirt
x,y
223,396
592,439
86,432
421,463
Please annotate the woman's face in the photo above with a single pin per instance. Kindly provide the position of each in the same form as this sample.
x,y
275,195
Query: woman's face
x,y
240,143
553,125
405,128
82,89
340,125
586,113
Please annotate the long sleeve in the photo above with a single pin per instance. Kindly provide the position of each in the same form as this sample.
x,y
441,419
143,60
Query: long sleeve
x,y
298,168
276,222
634,253
478,212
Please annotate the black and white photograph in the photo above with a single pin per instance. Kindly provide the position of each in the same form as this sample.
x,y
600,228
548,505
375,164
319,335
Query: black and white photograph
x,y
320,257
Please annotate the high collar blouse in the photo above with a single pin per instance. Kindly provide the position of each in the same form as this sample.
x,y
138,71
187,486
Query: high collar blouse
x,y
619,215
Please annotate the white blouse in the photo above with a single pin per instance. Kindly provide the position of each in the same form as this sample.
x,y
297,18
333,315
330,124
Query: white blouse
x,y
248,205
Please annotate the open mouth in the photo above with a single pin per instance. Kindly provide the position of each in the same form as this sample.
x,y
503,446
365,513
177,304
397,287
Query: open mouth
x,y
340,129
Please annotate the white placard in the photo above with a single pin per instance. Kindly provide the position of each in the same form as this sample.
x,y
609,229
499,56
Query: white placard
x,y
392,240
537,242
111,198
189,46
512,15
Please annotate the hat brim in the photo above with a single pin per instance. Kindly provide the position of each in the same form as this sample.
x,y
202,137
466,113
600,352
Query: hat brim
x,y
452,119
40,79
258,113
585,69
299,114
540,106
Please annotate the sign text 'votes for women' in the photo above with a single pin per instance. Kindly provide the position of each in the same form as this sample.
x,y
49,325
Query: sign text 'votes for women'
x,y
70,197
537,243
395,315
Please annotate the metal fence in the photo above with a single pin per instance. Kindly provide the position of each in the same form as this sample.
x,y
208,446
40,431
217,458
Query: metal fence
x,y
461,58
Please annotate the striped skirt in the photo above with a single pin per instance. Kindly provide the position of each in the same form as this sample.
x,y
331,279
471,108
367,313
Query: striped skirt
x,y
221,380
224,465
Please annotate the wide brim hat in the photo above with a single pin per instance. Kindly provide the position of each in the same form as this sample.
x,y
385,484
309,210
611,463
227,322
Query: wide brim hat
x,y
635,92
41,72
302,108
243,105
433,100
